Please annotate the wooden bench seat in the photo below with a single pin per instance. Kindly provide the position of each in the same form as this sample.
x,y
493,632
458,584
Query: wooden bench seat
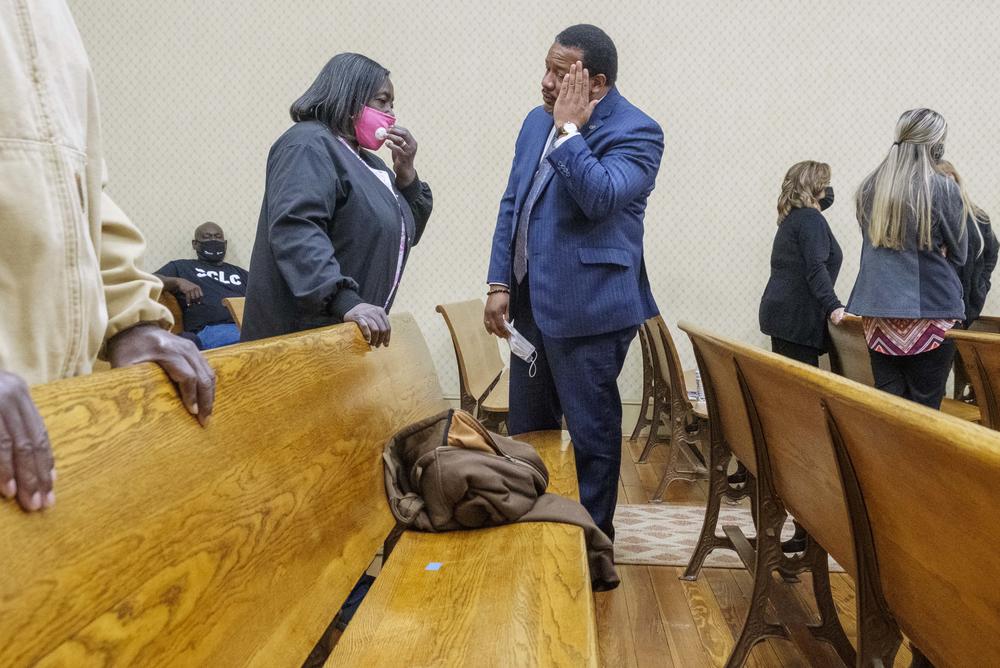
x,y
504,596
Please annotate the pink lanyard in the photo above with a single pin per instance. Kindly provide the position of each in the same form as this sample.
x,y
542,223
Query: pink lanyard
x,y
378,173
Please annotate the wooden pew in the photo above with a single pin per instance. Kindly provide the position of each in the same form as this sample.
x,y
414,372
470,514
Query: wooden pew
x,y
849,358
980,355
506,596
647,405
671,407
729,435
237,544
918,486
793,465
170,301
987,323
235,306
929,483
484,379
963,389
171,544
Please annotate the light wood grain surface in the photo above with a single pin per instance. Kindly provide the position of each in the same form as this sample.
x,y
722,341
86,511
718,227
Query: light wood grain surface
x,y
236,305
476,351
718,372
803,464
931,483
980,355
516,595
230,545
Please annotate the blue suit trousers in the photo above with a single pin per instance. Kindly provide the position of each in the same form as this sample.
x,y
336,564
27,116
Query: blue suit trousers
x,y
576,377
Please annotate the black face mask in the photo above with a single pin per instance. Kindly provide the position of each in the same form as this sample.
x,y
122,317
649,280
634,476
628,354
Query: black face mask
x,y
826,201
212,250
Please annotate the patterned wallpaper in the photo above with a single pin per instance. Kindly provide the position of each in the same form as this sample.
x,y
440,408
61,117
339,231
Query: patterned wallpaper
x,y
194,93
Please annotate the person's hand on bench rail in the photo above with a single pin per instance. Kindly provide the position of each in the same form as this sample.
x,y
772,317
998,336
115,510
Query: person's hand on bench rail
x,y
26,468
179,357
373,321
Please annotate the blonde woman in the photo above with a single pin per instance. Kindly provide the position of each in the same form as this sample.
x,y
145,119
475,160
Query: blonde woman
x,y
800,295
983,250
805,261
908,289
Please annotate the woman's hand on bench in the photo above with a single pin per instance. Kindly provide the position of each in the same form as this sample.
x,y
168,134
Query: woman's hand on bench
x,y
373,321
26,467
178,357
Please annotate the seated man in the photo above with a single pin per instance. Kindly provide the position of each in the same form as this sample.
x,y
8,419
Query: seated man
x,y
201,285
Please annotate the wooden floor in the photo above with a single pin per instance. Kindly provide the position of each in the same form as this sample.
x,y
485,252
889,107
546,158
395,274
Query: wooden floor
x,y
656,619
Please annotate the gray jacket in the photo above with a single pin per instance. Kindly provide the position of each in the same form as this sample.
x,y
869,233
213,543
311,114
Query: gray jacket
x,y
913,283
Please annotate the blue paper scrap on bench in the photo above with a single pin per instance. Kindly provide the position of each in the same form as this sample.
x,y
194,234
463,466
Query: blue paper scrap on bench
x,y
434,566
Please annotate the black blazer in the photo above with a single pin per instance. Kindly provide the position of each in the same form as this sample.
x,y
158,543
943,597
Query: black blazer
x,y
799,297
329,233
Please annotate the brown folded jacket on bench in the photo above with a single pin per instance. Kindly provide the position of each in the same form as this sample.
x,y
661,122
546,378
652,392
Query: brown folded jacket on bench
x,y
447,473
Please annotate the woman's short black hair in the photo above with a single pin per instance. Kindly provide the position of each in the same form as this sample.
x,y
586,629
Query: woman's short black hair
x,y
599,53
341,90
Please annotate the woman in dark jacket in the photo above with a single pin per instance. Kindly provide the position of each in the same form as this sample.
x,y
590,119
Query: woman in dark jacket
x,y
983,250
336,225
805,261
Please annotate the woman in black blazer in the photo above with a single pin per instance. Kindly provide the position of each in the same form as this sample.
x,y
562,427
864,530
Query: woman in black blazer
x,y
805,261
336,224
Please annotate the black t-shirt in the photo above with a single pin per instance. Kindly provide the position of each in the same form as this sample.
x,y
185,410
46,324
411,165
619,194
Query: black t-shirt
x,y
217,281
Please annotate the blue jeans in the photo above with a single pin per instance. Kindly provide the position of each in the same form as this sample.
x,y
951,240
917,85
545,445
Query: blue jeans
x,y
216,336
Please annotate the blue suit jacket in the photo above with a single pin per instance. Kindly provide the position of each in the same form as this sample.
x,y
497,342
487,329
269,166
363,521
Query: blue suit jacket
x,y
585,254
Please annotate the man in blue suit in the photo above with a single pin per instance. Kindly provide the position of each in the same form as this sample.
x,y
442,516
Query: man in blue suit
x,y
567,262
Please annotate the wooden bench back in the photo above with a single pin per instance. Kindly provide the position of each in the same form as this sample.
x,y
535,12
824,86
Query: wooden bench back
x,y
787,399
986,323
849,351
930,485
236,544
726,410
170,301
667,359
980,356
235,305
479,361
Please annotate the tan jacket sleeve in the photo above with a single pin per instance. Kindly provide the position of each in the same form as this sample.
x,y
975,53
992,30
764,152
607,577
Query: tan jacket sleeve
x,y
131,293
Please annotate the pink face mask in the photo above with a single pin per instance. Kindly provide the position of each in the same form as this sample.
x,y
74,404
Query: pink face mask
x,y
370,127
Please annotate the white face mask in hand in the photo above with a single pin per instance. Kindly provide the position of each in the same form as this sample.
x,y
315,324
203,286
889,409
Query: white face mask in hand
x,y
522,347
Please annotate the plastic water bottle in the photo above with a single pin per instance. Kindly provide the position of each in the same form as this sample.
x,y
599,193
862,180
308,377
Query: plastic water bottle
x,y
698,385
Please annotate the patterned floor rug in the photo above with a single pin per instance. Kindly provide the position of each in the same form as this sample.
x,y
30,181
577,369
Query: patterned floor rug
x,y
665,534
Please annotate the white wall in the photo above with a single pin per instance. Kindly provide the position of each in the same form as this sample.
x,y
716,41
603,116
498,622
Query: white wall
x,y
194,93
